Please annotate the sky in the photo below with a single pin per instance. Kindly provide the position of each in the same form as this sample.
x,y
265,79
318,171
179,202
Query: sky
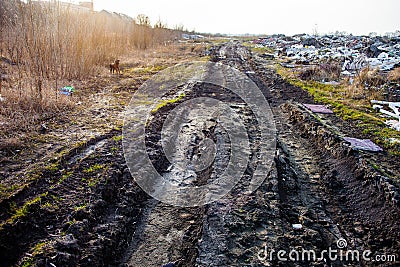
x,y
265,16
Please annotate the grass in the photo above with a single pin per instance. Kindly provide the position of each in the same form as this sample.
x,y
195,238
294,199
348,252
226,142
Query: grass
x,y
27,262
166,102
6,191
64,176
23,211
93,181
39,248
145,70
357,110
53,167
80,207
117,138
94,168
258,49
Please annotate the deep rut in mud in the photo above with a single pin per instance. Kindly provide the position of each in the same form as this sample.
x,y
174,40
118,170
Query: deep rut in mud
x,y
88,211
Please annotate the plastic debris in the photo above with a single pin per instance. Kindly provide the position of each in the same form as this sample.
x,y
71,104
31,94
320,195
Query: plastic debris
x,y
363,144
394,106
353,52
297,226
393,124
2,99
318,108
171,264
67,90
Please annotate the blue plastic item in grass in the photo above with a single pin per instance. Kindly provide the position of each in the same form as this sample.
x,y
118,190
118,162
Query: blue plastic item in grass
x,y
67,90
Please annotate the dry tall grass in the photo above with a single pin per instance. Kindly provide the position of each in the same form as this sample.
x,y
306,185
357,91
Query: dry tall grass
x,y
43,44
325,71
394,75
366,84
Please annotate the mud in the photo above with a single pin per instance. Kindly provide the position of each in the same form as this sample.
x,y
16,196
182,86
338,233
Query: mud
x,y
88,210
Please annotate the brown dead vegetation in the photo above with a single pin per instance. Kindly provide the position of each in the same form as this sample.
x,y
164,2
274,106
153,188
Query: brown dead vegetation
x,y
45,46
325,71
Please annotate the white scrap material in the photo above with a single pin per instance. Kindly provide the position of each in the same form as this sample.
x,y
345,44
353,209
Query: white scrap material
x,y
394,106
297,226
393,124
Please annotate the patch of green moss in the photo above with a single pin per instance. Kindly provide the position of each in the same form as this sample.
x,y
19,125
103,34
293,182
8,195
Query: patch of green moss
x,y
53,167
146,70
39,248
166,102
27,262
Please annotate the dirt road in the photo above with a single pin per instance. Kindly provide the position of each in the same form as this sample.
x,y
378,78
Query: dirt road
x,y
88,211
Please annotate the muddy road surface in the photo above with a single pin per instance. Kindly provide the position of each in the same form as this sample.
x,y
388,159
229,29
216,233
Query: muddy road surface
x,y
319,200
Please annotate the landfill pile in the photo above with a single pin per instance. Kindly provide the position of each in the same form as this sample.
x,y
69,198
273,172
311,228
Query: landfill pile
x,y
353,52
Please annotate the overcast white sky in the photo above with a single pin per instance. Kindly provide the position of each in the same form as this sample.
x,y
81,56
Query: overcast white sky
x,y
266,16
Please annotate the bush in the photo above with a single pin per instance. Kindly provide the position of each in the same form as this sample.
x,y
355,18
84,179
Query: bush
x,y
325,71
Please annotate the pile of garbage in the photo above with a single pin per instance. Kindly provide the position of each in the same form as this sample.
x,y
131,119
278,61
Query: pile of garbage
x,y
353,52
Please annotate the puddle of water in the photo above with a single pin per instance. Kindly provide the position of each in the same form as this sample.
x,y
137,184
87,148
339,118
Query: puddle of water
x,y
88,151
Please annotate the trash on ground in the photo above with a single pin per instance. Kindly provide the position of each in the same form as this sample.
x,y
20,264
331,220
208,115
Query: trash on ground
x,y
268,56
297,226
394,106
393,124
318,108
2,99
4,77
67,90
353,52
394,140
171,264
334,83
363,144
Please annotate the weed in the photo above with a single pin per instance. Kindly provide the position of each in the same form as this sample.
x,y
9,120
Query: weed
x,y
93,182
56,198
94,168
117,138
72,222
27,262
64,176
114,149
81,207
53,167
